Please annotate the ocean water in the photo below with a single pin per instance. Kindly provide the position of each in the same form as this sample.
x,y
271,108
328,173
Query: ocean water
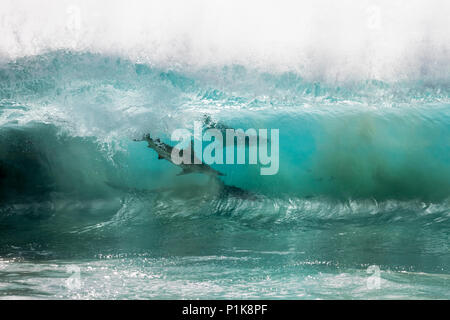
x,y
360,93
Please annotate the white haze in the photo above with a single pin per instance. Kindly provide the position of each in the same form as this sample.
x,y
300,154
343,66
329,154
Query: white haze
x,y
326,40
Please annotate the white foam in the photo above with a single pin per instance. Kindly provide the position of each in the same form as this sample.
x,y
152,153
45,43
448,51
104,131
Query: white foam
x,y
322,39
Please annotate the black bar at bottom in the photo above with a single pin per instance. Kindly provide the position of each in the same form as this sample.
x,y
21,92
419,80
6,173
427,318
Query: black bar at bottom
x,y
222,309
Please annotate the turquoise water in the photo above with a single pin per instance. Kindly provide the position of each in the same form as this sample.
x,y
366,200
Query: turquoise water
x,y
364,180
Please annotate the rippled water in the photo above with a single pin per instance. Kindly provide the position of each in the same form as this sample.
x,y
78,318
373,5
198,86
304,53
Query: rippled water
x,y
359,90
364,181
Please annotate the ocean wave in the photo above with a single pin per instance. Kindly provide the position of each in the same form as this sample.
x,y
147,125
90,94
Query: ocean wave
x,y
367,140
358,90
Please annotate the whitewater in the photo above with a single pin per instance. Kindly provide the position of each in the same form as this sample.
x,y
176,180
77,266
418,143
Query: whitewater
x,y
360,93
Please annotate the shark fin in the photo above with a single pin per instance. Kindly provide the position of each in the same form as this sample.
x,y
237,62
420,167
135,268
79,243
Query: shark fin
x,y
185,171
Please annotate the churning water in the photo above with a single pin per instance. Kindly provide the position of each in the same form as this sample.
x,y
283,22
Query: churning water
x,y
360,92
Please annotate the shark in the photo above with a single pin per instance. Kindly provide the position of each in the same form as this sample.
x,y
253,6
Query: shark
x,y
164,151
209,123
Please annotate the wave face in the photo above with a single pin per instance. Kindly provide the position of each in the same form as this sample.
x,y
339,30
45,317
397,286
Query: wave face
x,y
364,173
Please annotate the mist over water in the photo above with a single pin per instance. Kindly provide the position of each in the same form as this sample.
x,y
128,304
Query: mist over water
x,y
359,91
323,40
